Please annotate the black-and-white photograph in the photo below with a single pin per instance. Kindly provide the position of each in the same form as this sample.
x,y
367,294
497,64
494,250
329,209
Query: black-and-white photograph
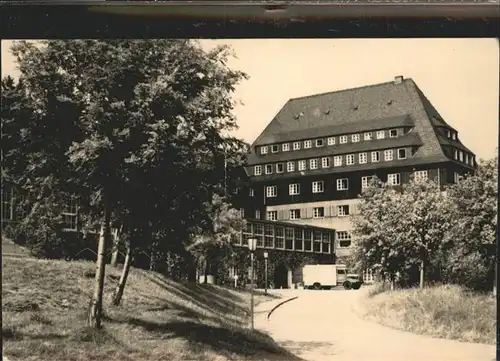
x,y
249,199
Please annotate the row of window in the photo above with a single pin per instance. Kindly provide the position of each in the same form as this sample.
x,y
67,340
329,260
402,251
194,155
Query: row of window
x,y
289,238
342,184
338,161
317,212
320,142
463,157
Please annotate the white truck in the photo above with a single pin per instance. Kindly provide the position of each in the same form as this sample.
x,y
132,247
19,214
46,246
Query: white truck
x,y
326,276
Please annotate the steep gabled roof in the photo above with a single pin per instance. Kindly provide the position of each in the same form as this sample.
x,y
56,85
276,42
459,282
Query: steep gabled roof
x,y
356,110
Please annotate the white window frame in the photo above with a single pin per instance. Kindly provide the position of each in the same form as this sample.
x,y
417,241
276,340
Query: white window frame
x,y
320,144
325,162
461,155
466,158
290,166
341,210
268,166
347,237
421,175
388,155
293,214
285,147
393,136
294,189
282,167
264,149
318,187
257,214
363,158
355,138
331,140
275,146
296,145
316,212
257,170
448,134
375,157
340,185
394,179
454,135
400,149
242,212
307,144
337,161
455,152
251,192
456,177
365,181
302,165
380,134
272,215
368,136
343,139
313,163
271,191
349,159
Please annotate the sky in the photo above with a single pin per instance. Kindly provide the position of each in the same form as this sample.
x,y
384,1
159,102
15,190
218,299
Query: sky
x,y
459,76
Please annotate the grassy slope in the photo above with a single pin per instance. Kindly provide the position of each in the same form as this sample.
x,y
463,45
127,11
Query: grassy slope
x,y
443,311
44,311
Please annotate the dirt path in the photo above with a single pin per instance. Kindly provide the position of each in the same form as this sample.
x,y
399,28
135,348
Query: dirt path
x,y
322,326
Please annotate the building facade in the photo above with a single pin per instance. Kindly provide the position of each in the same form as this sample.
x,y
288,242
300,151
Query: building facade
x,y
315,157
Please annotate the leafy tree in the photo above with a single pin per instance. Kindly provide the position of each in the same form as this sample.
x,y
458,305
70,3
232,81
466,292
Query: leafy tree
x,y
399,230
473,232
227,223
131,126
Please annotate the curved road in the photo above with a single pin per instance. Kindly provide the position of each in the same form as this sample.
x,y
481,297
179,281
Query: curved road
x,y
323,326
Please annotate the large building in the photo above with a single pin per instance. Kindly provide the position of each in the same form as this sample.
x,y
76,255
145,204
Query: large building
x,y
312,161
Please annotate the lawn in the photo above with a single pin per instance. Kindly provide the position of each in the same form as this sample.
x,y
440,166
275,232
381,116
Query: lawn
x,y
445,311
44,312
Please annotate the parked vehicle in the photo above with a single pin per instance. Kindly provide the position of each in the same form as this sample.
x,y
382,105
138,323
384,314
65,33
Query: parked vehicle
x,y
327,276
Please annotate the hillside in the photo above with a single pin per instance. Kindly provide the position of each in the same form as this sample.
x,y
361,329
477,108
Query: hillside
x,y
445,311
44,311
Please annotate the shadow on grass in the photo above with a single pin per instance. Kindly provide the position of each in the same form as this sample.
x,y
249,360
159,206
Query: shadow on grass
x,y
234,340
210,298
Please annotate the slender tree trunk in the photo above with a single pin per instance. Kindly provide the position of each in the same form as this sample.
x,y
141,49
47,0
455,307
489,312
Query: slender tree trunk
x,y
422,273
117,297
116,246
95,307
495,278
205,271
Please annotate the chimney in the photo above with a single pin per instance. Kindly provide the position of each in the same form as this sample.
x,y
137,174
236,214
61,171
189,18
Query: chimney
x,y
398,79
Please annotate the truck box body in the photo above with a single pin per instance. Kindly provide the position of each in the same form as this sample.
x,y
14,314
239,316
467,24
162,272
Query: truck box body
x,y
323,274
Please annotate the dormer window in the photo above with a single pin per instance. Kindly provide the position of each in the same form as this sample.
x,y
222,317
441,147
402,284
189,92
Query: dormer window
x,y
296,145
343,139
264,150
355,138
275,148
331,141
285,147
319,143
448,134
461,156
393,133
455,154
402,153
454,135
307,144
269,169
280,168
380,134
368,136
466,158
257,170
